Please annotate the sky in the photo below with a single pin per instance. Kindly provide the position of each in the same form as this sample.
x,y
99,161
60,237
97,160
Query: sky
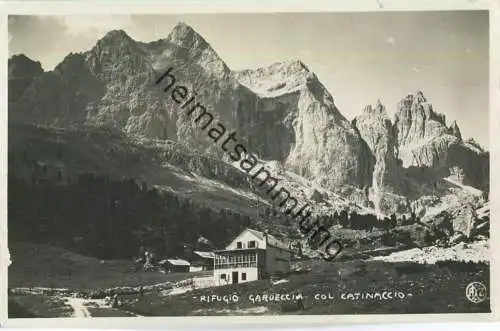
x,y
360,57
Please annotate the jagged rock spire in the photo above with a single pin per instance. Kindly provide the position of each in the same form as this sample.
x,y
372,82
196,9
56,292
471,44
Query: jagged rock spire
x,y
419,97
377,109
455,130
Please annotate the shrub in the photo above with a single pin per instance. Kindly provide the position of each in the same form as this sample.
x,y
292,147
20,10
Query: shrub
x,y
404,238
429,239
361,270
462,266
388,239
411,268
292,306
15,310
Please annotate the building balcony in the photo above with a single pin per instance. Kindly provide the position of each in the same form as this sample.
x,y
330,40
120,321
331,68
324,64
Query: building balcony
x,y
233,265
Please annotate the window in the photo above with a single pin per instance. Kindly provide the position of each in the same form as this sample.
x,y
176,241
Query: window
x,y
223,276
239,244
243,276
251,244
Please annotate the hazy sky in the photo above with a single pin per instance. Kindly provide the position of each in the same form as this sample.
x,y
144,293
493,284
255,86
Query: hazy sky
x,y
359,57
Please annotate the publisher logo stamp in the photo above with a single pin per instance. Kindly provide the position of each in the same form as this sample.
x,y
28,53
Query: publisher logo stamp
x,y
476,292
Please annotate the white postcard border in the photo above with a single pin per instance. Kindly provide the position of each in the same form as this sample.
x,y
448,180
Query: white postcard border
x,y
246,6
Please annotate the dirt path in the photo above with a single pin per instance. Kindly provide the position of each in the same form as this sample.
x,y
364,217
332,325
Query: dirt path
x,y
79,310
80,306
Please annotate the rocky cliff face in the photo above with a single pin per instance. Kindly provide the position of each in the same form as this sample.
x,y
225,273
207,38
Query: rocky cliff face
x,y
281,112
59,97
327,147
113,84
416,122
425,142
320,142
377,130
454,130
22,73
294,120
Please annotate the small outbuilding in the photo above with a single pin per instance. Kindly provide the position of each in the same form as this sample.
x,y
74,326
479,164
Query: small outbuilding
x,y
203,260
175,265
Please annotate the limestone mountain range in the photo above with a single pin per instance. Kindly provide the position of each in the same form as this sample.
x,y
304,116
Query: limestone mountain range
x,y
282,113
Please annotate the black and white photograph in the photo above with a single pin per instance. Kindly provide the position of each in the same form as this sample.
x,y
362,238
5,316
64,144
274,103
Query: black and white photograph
x,y
248,164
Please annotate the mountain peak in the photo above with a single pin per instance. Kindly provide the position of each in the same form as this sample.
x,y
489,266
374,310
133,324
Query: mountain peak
x,y
22,65
296,64
189,46
455,130
22,73
184,35
115,36
418,105
419,97
416,98
182,26
278,78
116,52
289,66
378,109
474,143
416,119
20,57
115,41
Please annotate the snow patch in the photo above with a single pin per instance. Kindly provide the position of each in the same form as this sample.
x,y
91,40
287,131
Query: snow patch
x,y
470,189
281,281
474,252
